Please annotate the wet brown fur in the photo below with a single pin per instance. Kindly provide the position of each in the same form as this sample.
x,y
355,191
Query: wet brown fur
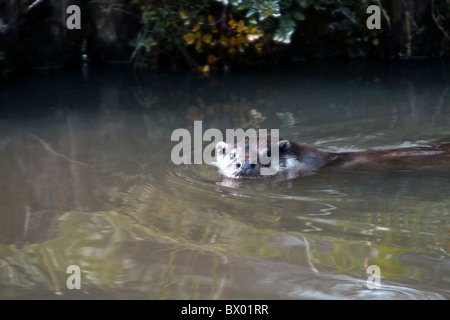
x,y
309,159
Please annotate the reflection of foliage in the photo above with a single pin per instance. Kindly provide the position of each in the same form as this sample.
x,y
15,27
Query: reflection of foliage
x,y
242,113
107,245
239,111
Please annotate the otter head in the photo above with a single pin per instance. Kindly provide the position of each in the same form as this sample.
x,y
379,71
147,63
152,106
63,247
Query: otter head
x,y
248,160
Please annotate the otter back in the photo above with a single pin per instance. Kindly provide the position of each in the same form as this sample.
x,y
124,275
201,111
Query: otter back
x,y
295,159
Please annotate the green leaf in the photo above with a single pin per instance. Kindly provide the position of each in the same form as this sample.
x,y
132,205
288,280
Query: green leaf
x,y
250,12
285,30
302,3
299,16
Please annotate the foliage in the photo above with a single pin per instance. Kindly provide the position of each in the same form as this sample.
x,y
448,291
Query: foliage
x,y
208,33
197,31
229,38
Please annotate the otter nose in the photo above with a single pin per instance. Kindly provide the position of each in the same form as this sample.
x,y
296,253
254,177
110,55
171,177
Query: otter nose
x,y
245,165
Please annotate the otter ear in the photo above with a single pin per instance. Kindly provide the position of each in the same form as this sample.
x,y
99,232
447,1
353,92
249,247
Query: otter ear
x,y
221,149
284,145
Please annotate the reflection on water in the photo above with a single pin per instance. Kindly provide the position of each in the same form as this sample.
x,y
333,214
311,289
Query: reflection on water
x,y
86,179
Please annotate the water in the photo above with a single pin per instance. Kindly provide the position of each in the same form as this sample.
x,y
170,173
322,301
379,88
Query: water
x,y
86,179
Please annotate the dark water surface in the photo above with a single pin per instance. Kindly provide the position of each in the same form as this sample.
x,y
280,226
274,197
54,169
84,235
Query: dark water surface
x,y
86,179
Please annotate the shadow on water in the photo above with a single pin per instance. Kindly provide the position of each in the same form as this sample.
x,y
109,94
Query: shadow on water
x,y
87,180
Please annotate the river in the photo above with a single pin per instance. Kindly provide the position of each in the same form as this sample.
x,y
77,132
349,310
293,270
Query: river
x,y
86,179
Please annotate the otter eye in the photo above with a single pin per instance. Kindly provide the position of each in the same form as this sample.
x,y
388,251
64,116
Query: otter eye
x,y
232,155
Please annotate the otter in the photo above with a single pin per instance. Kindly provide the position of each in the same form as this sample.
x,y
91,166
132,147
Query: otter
x,y
296,159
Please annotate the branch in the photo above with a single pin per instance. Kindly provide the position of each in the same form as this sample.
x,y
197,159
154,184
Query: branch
x,y
435,19
34,4
49,148
388,20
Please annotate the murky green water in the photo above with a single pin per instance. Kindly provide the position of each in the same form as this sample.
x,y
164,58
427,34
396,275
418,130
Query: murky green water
x,y
86,179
